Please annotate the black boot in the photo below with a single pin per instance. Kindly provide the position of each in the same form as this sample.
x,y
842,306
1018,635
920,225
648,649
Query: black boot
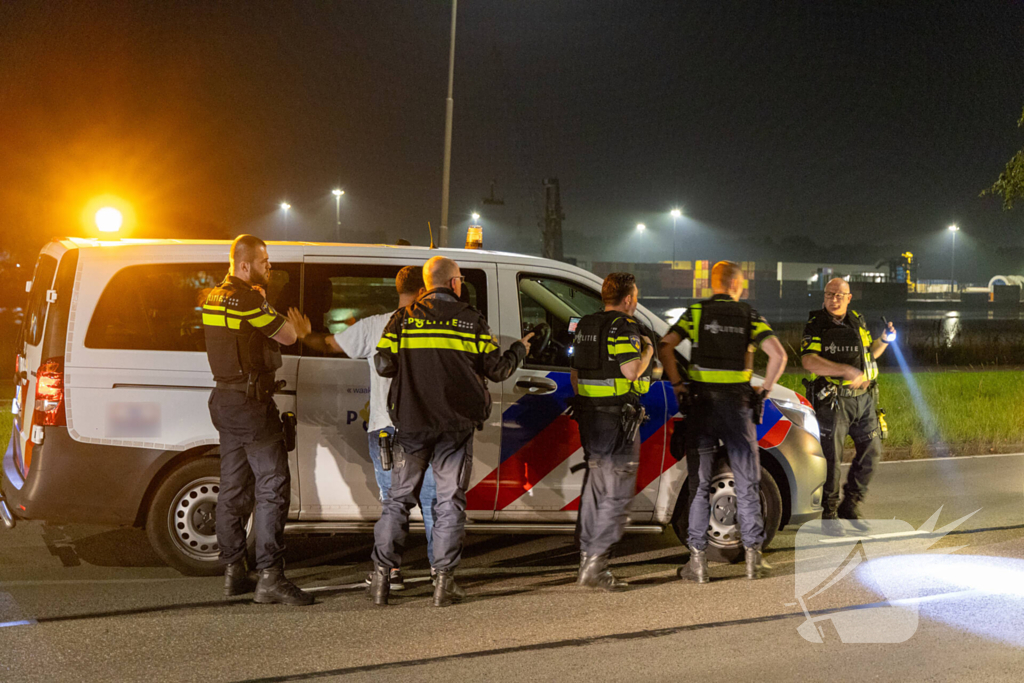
x,y
237,579
446,591
594,573
756,566
849,510
697,568
274,587
380,585
583,561
832,527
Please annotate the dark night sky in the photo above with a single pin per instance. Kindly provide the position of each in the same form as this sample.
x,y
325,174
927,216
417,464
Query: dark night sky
x,y
877,122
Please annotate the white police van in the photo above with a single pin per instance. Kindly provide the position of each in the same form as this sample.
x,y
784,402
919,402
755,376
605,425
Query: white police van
x,y
111,423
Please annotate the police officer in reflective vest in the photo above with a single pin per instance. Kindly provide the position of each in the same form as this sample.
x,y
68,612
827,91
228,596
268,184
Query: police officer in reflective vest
x,y
611,370
837,348
723,332
243,338
440,353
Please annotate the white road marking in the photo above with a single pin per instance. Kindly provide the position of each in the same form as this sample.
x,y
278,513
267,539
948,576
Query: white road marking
x,y
23,622
950,457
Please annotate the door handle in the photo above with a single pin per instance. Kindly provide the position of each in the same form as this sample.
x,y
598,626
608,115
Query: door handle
x,y
535,386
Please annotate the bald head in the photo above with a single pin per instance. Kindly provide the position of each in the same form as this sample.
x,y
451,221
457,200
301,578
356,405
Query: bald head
x,y
838,285
439,272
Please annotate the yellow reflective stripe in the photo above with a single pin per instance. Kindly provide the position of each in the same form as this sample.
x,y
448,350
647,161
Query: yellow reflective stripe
x,y
616,349
243,313
439,330
698,374
234,323
208,307
695,311
595,391
213,320
446,343
603,388
388,344
760,328
488,347
642,386
261,321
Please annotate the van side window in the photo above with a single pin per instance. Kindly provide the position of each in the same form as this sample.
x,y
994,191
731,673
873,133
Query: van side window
x,y
35,315
338,295
159,307
556,302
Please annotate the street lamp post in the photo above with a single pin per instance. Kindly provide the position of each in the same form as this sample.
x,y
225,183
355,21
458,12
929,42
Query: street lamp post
x,y
640,229
337,213
449,105
952,260
676,213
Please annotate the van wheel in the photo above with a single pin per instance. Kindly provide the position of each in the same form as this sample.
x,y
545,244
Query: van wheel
x,y
724,544
181,519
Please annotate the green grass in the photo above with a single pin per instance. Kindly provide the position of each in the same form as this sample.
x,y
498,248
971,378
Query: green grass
x,y
972,412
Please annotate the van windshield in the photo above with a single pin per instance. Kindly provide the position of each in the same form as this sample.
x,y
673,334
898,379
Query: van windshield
x,y
35,316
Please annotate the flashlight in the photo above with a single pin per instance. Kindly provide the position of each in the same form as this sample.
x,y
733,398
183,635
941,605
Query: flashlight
x,y
887,337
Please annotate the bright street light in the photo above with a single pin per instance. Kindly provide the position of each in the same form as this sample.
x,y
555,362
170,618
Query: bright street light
x,y
285,205
640,227
476,216
109,219
676,213
337,193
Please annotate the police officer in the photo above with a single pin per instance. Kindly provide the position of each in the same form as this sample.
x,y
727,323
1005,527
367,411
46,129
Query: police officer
x,y
611,370
838,350
723,332
440,353
243,338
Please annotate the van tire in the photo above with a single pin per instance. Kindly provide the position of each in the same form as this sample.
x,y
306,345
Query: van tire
x,y
181,517
730,549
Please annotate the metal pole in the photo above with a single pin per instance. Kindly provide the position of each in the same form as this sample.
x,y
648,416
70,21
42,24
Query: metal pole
x,y
449,104
674,219
952,267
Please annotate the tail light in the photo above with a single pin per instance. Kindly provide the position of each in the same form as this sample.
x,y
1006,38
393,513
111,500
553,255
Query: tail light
x,y
49,408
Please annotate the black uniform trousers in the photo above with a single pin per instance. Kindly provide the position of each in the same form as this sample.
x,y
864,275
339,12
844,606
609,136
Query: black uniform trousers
x,y
451,456
723,414
855,416
253,469
610,481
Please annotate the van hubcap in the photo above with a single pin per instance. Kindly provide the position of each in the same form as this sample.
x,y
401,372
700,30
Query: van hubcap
x,y
192,519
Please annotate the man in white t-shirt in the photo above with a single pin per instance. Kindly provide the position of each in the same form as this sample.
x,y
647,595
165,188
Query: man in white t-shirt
x,y
360,341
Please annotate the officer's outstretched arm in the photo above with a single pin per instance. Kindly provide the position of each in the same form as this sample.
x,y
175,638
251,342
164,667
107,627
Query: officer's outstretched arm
x,y
491,362
286,335
634,369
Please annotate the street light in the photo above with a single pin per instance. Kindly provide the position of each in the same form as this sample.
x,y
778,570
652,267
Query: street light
x,y
284,207
476,216
676,213
952,265
640,227
337,213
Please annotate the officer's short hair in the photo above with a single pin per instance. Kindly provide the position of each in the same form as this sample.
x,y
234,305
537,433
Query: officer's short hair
x,y
439,271
616,287
724,272
409,280
245,248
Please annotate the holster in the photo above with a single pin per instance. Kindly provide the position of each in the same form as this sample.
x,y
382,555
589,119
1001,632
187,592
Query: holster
x,y
262,387
632,417
288,423
756,406
387,454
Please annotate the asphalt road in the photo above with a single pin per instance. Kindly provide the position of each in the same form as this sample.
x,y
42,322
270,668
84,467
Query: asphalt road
x,y
84,603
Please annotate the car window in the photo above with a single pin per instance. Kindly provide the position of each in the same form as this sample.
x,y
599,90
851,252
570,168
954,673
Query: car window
x,y
559,303
159,307
35,315
338,295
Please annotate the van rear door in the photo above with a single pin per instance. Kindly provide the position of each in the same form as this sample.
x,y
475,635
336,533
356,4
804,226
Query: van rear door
x,y
39,358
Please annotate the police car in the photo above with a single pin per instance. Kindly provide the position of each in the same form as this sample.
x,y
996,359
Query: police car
x,y
111,422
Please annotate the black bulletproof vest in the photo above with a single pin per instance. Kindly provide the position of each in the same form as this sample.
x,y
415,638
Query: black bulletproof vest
x,y
234,354
842,343
723,334
591,358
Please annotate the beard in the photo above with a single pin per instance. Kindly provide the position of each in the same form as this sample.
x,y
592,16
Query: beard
x,y
258,278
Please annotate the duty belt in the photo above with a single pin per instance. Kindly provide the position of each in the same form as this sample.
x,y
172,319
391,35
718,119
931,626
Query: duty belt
x,y
846,392
232,386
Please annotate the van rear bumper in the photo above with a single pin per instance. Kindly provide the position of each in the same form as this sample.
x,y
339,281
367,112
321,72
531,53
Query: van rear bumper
x,y
73,482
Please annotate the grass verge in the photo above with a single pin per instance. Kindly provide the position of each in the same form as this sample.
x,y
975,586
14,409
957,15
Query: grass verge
x,y
954,413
